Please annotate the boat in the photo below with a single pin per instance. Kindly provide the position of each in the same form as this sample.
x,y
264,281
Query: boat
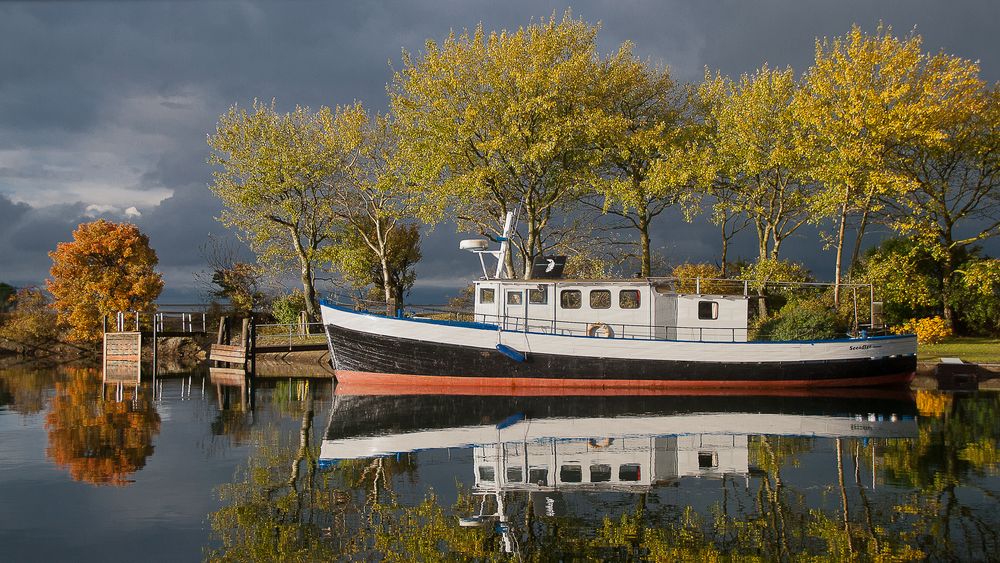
x,y
549,331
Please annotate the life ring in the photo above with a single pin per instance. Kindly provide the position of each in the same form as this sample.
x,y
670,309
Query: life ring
x,y
602,443
599,329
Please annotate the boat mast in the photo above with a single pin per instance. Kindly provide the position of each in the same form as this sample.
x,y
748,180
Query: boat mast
x,y
481,246
505,244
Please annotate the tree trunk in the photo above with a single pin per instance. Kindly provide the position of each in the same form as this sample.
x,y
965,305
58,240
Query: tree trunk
x,y
644,244
391,307
725,251
857,242
530,247
840,250
308,287
761,303
948,270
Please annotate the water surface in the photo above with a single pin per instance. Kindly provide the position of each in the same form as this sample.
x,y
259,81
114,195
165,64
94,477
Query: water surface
x,y
180,468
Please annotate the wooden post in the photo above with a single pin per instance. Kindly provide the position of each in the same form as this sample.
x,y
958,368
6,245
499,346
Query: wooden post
x,y
155,348
220,338
252,347
245,332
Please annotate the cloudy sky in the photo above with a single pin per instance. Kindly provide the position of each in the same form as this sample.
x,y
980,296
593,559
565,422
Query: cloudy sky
x,y
105,106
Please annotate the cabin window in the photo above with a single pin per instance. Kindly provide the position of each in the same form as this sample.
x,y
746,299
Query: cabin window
x,y
628,299
570,474
486,473
514,298
538,475
486,295
629,472
538,296
708,310
570,299
600,473
707,460
515,475
600,299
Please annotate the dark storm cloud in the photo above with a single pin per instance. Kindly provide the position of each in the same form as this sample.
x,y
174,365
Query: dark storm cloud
x,y
27,235
106,105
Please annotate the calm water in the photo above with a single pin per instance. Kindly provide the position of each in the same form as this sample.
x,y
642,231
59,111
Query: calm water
x,y
183,469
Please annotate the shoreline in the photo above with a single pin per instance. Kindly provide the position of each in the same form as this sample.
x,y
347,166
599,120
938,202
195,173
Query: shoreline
x,y
316,364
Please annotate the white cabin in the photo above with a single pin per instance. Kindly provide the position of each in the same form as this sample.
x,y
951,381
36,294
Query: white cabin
x,y
638,308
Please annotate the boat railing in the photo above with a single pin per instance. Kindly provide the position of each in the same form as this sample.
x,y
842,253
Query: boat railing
x,y
614,329
584,328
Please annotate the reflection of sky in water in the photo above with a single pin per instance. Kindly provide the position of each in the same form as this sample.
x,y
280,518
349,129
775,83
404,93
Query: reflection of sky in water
x,y
166,507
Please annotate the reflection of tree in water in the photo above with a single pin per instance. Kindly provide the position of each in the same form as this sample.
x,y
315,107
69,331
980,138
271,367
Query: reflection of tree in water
x,y
956,448
235,419
234,424
281,508
25,390
100,440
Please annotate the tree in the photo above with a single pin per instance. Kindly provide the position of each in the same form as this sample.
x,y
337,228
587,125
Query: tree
x,y
274,179
977,298
108,267
7,292
955,180
905,276
32,320
864,97
771,271
393,270
513,118
752,144
375,197
726,216
646,168
231,278
701,278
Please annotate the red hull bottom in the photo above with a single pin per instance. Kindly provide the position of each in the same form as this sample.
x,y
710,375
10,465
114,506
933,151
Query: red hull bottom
x,y
450,383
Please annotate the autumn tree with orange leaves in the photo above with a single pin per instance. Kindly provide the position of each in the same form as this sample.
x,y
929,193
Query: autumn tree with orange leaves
x,y
108,267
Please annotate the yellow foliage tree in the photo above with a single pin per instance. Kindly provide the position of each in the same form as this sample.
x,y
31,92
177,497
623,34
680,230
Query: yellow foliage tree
x,y
752,137
498,120
647,165
108,267
864,98
32,320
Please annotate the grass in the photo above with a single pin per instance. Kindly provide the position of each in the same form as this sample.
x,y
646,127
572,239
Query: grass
x,y
970,349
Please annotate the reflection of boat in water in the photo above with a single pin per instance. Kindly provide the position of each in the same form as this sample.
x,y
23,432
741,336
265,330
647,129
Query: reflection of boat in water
x,y
544,446
690,430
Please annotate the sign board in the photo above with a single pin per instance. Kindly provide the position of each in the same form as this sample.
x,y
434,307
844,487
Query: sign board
x,y
122,357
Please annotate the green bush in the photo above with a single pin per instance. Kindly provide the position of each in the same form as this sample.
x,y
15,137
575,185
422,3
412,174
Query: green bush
x,y
801,320
287,308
